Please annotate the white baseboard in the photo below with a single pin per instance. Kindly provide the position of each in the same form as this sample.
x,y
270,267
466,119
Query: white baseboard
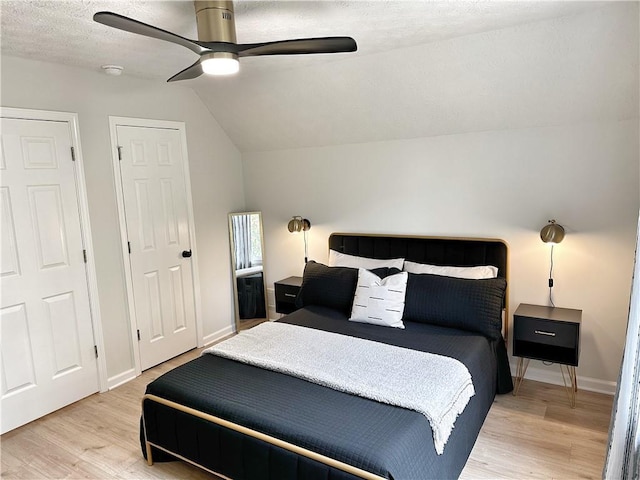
x,y
126,376
553,375
219,335
121,378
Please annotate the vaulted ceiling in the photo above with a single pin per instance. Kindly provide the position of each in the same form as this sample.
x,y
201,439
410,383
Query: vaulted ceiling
x,y
409,53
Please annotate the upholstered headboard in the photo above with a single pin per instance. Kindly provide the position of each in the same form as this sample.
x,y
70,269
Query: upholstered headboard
x,y
459,252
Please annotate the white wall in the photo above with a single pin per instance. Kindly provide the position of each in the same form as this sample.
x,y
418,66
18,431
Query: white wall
x,y
575,160
503,184
216,179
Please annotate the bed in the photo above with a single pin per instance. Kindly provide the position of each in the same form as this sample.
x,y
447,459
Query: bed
x,y
240,420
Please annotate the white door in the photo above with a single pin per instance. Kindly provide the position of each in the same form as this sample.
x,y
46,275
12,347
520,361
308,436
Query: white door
x,y
46,335
157,224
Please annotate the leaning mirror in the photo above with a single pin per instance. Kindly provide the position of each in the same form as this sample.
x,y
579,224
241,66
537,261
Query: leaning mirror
x,y
247,267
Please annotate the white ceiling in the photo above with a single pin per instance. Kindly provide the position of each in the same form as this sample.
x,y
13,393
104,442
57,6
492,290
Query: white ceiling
x,y
63,32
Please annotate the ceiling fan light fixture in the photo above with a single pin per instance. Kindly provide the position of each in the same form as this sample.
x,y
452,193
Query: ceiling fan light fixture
x,y
222,63
216,44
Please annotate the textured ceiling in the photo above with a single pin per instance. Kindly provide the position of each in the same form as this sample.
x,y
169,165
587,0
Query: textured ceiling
x,y
63,32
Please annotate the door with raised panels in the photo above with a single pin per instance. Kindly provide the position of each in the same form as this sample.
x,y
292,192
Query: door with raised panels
x,y
157,223
46,335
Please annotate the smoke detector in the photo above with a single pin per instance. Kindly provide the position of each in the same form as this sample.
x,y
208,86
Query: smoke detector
x,y
113,70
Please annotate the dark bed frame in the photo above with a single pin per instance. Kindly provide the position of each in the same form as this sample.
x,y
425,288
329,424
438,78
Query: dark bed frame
x,y
443,251
432,250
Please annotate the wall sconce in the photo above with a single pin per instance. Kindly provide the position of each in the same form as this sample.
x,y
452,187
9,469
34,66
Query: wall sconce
x,y
298,224
551,233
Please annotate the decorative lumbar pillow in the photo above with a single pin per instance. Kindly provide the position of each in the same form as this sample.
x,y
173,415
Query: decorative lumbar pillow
x,y
379,301
337,259
473,305
479,272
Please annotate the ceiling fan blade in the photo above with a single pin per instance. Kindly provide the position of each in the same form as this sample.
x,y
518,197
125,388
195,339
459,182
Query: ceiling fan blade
x,y
298,46
194,71
133,26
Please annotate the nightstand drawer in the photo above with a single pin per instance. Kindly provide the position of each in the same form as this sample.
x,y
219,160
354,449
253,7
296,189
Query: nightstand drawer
x,y
547,332
286,292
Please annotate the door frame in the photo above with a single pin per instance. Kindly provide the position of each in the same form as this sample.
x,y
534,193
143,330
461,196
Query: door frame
x,y
85,225
114,122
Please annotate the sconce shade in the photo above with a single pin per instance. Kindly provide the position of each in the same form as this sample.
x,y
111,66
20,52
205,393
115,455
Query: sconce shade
x,y
298,224
552,232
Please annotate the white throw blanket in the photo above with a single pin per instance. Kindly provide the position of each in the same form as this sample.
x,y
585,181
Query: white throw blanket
x,y
439,387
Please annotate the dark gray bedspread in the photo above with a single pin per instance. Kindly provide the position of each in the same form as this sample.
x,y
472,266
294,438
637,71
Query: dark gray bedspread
x,y
383,439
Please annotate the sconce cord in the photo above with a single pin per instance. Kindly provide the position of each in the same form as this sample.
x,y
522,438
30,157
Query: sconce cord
x,y
551,279
306,254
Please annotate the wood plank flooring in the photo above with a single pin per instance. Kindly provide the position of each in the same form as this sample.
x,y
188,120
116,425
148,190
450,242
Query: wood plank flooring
x,y
535,435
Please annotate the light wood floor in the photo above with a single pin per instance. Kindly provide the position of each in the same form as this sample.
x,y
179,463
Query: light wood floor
x,y
534,435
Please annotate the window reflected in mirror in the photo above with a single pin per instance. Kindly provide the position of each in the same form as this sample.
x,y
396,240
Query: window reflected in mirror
x,y
247,253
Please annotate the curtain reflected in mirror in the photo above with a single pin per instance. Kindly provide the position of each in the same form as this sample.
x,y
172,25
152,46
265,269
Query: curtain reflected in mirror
x,y
247,253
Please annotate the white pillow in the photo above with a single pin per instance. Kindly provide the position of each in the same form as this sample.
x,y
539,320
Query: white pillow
x,y
379,301
337,259
475,273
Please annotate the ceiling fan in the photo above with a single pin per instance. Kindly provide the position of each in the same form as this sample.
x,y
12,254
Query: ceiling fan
x,y
216,42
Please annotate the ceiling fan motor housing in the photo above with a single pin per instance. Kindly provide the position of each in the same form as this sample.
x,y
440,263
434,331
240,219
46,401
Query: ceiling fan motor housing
x,y
215,21
216,24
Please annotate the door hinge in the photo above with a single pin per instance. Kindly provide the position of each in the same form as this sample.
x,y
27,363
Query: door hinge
x,y
73,154
119,153
129,247
138,334
84,254
95,349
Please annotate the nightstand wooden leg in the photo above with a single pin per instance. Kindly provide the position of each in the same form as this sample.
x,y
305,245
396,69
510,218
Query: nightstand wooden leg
x,y
572,386
521,369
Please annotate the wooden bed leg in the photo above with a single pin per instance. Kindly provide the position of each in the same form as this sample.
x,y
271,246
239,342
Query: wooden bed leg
x,y
149,455
147,446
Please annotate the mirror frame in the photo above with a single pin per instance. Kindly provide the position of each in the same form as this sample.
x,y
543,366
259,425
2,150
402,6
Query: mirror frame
x,y
248,323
